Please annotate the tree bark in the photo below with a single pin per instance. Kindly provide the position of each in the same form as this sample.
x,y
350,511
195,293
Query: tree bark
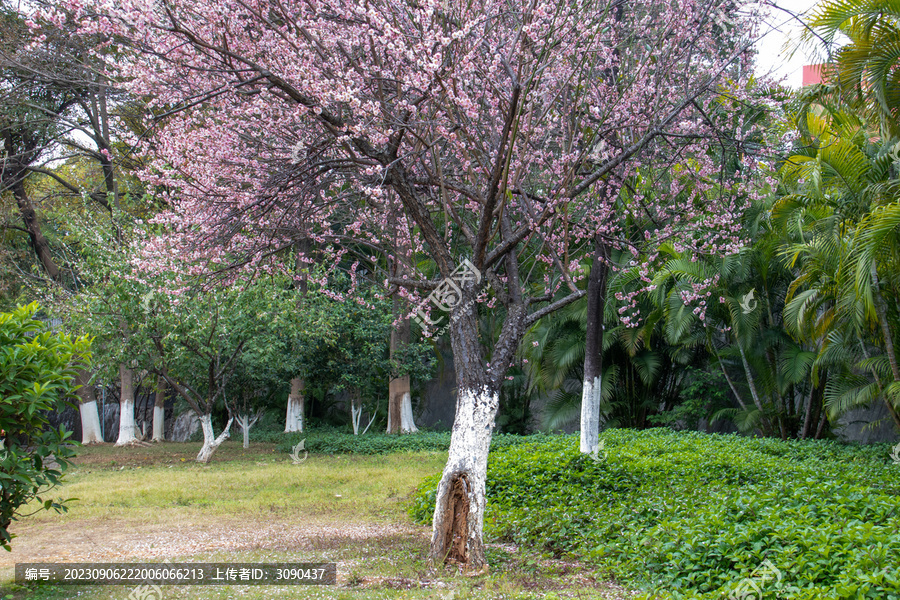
x,y
90,417
593,350
126,408
159,411
295,408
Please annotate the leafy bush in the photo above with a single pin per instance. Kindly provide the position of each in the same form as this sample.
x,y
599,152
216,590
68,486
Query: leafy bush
x,y
36,375
331,441
689,515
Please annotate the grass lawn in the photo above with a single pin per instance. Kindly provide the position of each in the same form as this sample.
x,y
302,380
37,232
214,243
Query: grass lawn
x,y
153,503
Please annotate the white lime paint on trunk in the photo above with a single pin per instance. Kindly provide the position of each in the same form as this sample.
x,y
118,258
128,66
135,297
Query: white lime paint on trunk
x,y
90,423
590,416
407,421
294,419
246,423
127,428
355,416
159,424
211,443
466,468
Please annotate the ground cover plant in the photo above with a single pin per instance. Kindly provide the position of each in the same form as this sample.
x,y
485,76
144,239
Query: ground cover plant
x,y
688,515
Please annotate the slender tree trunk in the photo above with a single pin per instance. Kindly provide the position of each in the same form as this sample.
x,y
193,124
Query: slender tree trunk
x,y
753,392
891,410
295,407
126,408
210,442
33,226
593,350
881,311
159,411
90,417
244,421
355,412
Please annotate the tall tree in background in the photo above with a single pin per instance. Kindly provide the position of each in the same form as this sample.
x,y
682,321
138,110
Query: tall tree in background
x,y
58,104
488,128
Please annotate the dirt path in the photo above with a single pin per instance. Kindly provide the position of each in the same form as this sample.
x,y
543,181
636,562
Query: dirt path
x,y
108,540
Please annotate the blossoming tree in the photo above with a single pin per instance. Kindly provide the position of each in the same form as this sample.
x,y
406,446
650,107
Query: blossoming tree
x,y
490,135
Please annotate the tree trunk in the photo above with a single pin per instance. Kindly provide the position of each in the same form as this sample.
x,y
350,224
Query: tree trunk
x,y
33,226
126,408
593,350
211,443
90,417
767,428
295,408
355,413
881,311
244,421
407,419
400,417
159,411
460,501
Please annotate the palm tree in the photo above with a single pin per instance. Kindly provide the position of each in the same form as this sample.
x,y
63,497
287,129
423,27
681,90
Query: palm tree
x,y
837,220
864,70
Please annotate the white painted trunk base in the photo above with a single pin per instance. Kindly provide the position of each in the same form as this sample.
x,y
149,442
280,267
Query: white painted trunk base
x,y
90,423
470,442
590,416
355,416
244,422
211,443
127,428
159,424
407,421
294,419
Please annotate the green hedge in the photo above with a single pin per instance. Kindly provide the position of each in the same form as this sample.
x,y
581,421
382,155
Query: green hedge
x,y
687,515
331,441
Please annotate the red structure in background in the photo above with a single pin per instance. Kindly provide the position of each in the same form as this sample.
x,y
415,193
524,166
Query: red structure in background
x,y
813,74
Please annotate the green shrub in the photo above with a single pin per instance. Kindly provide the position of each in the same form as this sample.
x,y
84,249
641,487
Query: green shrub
x,y
36,375
689,515
332,441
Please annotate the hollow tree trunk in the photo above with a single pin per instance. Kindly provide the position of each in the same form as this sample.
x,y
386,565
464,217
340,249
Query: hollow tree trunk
x,y
90,417
593,350
159,411
210,442
295,408
126,408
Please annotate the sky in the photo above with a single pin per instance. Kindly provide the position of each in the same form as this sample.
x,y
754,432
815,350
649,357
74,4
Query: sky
x,y
784,30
